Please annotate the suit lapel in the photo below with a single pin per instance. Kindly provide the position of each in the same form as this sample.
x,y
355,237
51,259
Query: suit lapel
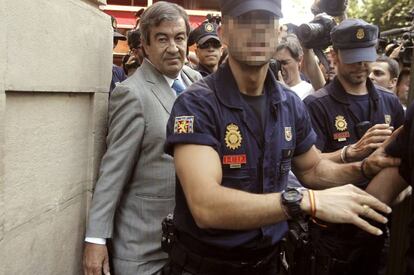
x,y
159,86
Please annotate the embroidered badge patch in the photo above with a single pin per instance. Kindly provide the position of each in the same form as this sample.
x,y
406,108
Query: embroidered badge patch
x,y
341,136
184,125
233,137
235,161
209,27
387,119
340,123
288,133
360,34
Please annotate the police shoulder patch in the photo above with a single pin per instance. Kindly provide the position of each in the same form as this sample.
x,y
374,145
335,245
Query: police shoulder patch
x,y
184,125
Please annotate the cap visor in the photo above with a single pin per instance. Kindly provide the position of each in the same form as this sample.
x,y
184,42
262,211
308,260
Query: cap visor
x,y
350,56
204,39
244,7
119,36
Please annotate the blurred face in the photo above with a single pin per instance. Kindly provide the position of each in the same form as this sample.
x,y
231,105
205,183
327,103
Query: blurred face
x,y
209,53
251,38
290,67
403,88
167,48
354,73
380,75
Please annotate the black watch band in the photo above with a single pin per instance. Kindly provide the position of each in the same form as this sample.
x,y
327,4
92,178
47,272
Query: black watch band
x,y
291,199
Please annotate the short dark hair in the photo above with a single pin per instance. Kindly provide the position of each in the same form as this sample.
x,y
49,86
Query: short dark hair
x,y
393,66
159,12
134,39
292,44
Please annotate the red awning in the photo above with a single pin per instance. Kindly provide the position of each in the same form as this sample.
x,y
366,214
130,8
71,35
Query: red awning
x,y
126,19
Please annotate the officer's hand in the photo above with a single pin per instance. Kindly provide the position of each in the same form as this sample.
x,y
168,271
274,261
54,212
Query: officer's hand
x,y
369,142
95,259
348,204
379,159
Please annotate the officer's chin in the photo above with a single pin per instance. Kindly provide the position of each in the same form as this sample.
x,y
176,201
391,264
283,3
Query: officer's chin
x,y
256,61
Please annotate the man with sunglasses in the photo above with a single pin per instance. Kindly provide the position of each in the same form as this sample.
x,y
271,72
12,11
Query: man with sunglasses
x,y
208,48
234,136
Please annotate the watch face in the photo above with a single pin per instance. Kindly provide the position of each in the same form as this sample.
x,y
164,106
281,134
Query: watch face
x,y
292,195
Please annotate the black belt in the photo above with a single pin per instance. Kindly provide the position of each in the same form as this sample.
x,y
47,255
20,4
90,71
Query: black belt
x,y
182,256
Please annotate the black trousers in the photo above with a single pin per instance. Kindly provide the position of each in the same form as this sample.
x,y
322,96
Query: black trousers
x,y
346,250
183,260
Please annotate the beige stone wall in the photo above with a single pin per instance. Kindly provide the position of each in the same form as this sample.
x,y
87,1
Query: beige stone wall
x,y
55,71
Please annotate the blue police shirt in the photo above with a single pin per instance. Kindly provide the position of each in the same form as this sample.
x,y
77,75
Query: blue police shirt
x,y
213,113
335,114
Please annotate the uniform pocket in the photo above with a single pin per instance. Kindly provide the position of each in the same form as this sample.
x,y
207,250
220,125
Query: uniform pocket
x,y
240,179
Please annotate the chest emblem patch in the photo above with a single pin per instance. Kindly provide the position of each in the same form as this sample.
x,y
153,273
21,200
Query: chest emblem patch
x,y
233,137
387,119
184,125
288,133
340,123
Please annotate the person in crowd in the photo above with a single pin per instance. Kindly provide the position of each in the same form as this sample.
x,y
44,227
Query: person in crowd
x,y
208,48
403,86
135,188
351,117
289,54
384,72
234,136
390,182
118,74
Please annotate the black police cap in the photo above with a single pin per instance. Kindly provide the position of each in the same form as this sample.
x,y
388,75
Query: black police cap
x,y
356,39
203,33
238,7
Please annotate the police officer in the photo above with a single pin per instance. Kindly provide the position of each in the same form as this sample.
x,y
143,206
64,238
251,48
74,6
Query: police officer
x,y
351,117
392,181
208,47
234,136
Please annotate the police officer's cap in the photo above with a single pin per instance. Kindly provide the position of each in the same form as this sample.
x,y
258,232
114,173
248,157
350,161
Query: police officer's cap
x,y
356,40
203,33
235,8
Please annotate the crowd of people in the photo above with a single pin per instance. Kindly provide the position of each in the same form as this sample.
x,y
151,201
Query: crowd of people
x,y
247,156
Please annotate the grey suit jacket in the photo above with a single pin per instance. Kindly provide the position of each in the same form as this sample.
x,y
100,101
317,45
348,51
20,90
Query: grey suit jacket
x,y
136,185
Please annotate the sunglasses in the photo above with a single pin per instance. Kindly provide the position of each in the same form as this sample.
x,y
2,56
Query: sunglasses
x,y
208,44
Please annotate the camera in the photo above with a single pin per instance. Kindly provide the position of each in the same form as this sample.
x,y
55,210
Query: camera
x,y
333,7
317,33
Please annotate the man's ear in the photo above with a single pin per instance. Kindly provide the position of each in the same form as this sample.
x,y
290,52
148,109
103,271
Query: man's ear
x,y
393,82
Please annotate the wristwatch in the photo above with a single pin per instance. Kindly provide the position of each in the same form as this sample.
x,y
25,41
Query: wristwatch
x,y
291,199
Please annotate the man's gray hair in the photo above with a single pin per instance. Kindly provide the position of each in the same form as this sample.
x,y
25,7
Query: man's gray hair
x,y
158,12
292,44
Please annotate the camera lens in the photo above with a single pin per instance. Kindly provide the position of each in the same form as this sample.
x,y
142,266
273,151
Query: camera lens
x,y
310,31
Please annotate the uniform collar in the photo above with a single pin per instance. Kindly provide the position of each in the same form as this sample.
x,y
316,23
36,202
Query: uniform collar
x,y
229,94
203,70
337,91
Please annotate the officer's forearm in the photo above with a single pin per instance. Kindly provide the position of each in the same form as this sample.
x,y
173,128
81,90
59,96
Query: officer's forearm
x,y
333,156
327,174
225,208
387,185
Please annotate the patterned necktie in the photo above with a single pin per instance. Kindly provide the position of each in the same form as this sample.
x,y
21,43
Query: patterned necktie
x,y
178,87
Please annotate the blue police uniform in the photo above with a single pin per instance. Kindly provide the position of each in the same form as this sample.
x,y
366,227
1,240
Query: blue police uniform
x,y
341,119
335,113
213,113
403,147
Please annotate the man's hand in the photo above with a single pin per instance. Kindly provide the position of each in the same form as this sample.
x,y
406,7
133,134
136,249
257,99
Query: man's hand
x,y
379,160
95,259
347,204
369,142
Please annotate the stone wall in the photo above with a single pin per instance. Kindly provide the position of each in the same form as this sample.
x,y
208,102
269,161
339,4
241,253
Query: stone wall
x,y
55,71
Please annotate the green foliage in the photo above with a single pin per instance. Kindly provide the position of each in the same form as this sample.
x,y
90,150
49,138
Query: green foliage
x,y
387,14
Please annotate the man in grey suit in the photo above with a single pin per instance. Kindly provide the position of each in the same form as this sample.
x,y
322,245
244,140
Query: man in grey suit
x,y
135,189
